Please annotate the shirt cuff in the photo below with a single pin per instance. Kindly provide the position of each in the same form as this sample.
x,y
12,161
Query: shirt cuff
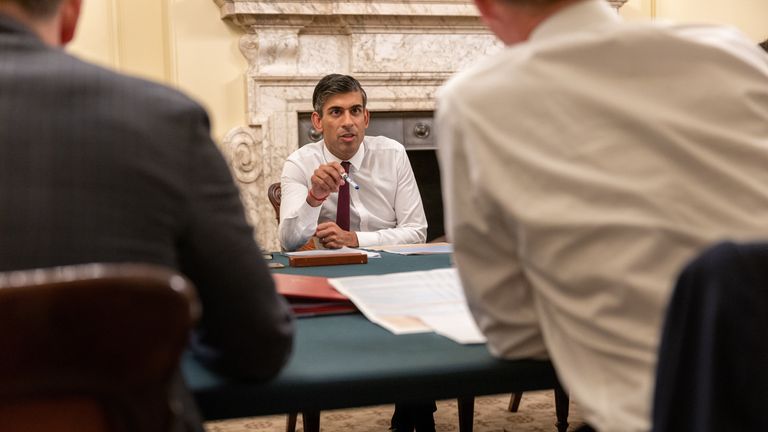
x,y
367,239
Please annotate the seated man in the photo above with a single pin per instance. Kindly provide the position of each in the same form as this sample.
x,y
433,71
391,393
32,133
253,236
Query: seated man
x,y
386,209
101,167
316,201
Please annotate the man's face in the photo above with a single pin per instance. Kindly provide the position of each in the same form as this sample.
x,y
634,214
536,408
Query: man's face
x,y
343,123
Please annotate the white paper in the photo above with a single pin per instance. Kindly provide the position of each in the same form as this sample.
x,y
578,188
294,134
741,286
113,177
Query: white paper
x,y
425,249
318,252
460,328
404,302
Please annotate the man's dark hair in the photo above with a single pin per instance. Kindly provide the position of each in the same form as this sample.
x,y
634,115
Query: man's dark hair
x,y
332,85
764,45
36,8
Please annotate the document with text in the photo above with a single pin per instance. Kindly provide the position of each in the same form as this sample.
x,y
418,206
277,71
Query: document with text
x,y
414,302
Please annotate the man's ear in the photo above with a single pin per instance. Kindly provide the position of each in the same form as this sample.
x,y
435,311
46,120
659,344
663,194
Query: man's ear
x,y
485,7
69,14
316,123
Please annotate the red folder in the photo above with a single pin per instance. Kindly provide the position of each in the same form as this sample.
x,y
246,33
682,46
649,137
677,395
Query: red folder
x,y
312,295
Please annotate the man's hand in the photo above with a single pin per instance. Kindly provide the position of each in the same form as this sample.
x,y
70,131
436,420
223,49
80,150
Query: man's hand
x,y
325,180
333,237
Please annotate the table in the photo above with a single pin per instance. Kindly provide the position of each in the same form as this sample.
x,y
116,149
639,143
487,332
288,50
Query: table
x,y
346,361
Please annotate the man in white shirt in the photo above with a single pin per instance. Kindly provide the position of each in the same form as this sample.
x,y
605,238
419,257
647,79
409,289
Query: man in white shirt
x,y
582,167
386,209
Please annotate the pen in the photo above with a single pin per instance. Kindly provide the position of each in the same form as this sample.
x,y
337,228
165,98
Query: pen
x,y
346,178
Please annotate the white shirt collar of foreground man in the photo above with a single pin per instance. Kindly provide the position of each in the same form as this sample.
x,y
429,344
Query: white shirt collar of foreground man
x,y
574,19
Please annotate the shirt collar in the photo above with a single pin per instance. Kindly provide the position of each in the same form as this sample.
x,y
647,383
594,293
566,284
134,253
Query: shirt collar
x,y
356,161
574,18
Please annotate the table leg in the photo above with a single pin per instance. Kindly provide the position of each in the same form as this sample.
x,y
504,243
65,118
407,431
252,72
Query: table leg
x,y
466,413
561,408
290,424
311,421
514,401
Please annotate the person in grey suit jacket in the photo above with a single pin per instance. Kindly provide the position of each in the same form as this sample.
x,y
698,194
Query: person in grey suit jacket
x,y
96,166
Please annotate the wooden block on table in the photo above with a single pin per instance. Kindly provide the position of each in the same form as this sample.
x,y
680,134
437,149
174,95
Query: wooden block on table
x,y
328,259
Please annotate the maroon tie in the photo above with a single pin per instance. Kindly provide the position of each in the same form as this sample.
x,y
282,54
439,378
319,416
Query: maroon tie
x,y
342,209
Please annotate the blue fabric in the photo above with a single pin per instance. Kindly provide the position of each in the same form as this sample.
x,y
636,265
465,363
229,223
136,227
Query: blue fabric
x,y
713,363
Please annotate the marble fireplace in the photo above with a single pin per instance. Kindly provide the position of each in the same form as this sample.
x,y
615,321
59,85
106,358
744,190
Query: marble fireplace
x,y
400,50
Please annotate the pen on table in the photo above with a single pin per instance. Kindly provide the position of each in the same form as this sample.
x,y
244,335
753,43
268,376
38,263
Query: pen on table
x,y
352,183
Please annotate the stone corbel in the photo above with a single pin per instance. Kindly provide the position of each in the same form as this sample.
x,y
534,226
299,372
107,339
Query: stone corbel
x,y
242,148
273,49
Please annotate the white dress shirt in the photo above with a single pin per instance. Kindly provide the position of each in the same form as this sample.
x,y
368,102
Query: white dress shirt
x,y
581,170
385,210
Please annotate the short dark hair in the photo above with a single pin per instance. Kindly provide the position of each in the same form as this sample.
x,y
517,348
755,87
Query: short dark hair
x,y
764,45
334,84
36,8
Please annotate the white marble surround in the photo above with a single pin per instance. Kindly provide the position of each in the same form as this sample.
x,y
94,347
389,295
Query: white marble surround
x,y
400,50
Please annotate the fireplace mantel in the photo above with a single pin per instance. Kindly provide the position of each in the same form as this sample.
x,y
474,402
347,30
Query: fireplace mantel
x,y
401,51
245,11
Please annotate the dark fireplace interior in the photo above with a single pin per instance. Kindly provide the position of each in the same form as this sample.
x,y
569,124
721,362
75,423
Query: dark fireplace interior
x,y
414,130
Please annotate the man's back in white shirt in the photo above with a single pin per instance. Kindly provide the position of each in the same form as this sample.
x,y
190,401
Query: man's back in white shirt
x,y
581,171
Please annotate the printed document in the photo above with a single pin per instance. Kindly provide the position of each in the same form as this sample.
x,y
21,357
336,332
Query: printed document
x,y
414,302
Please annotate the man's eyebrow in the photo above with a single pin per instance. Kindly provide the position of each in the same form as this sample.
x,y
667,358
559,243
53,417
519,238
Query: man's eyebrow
x,y
337,107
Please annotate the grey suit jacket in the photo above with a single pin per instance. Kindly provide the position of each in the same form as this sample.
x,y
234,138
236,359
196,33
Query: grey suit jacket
x,y
100,167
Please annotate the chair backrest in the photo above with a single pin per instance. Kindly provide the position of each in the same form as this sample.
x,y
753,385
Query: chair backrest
x,y
712,372
274,193
92,347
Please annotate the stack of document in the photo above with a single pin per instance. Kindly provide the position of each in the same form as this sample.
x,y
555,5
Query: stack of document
x,y
311,295
414,302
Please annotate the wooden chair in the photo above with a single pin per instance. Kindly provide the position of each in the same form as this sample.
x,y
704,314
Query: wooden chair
x,y
91,348
274,194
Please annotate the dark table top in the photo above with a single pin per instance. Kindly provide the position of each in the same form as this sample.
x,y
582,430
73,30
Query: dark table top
x,y
346,361
388,263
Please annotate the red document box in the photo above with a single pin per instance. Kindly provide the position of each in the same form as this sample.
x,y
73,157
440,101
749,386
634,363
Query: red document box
x,y
312,295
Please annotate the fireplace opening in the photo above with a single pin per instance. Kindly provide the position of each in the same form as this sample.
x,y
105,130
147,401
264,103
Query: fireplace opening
x,y
413,129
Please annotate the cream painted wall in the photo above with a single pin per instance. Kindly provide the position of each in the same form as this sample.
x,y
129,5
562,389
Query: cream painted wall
x,y
207,62
96,37
185,44
182,43
638,10
751,16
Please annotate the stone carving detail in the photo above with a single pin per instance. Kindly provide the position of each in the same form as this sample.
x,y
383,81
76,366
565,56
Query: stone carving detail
x,y
278,51
249,46
244,154
243,149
